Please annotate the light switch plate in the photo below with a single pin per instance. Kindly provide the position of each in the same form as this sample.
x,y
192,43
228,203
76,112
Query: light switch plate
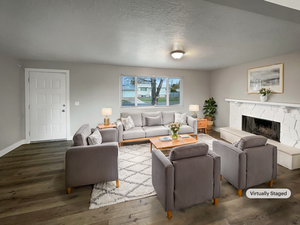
x,y
76,103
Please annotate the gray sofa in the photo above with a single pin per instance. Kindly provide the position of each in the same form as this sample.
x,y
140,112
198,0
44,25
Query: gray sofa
x,y
251,163
191,175
91,164
143,132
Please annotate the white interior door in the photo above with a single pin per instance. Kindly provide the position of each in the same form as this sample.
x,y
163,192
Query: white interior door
x,y
47,106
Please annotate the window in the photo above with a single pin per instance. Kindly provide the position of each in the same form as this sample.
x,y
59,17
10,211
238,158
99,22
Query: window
x,y
128,91
174,91
150,91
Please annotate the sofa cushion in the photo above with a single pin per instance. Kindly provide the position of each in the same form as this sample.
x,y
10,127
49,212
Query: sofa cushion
x,y
185,129
136,117
133,133
153,121
180,118
252,141
95,138
188,151
80,137
167,126
127,123
156,131
149,114
167,117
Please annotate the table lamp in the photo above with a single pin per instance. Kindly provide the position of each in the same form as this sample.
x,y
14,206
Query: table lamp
x,y
106,112
194,109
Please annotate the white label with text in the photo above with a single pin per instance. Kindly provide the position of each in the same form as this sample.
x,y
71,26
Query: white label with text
x,y
268,193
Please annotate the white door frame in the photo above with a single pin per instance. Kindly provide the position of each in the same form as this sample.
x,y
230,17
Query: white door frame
x,y
27,100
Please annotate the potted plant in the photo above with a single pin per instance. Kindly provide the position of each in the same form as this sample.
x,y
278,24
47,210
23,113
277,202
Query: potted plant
x,y
175,127
264,92
209,111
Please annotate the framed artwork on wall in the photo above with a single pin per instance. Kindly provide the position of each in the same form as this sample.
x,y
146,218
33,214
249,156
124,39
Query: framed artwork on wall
x,y
265,77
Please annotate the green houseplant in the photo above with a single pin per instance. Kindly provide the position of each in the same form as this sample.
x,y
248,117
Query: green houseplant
x,y
209,111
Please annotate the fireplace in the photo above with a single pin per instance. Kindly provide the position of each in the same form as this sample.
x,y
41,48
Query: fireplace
x,y
267,128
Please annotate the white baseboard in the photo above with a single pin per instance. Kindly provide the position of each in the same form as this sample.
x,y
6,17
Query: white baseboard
x,y
12,147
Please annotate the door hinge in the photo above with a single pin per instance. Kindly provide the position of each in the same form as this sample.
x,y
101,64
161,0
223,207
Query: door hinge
x,y
28,79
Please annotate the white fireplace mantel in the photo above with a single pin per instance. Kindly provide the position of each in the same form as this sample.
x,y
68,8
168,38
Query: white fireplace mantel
x,y
287,114
282,104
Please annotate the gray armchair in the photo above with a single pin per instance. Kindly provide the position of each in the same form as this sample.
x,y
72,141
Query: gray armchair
x,y
251,163
90,164
191,175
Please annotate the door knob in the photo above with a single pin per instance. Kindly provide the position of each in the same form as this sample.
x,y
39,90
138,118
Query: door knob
x,y
63,110
64,105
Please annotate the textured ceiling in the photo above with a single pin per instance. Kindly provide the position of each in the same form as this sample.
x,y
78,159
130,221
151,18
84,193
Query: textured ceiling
x,y
142,32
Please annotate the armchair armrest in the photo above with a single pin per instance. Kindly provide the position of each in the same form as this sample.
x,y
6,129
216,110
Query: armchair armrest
x,y
120,130
233,164
109,135
193,123
163,179
217,168
91,164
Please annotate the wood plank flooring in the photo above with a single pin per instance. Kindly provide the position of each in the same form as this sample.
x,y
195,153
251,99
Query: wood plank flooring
x,y
32,191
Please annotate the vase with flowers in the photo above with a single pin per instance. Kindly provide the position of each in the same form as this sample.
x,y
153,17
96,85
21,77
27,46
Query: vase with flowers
x,y
264,92
175,127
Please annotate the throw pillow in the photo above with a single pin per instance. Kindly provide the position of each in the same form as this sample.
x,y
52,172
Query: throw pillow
x,y
127,123
180,118
153,121
95,138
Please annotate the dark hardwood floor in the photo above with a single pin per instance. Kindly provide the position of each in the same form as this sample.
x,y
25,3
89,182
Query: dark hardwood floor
x,y
32,191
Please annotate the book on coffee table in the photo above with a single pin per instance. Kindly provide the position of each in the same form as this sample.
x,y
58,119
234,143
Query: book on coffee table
x,y
165,139
184,136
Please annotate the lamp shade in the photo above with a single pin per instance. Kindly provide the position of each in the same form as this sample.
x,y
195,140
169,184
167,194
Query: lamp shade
x,y
194,108
106,111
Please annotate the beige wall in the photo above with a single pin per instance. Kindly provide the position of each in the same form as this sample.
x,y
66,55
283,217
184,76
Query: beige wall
x,y
231,83
11,101
96,86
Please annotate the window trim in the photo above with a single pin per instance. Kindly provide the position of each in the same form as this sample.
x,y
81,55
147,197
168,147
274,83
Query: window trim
x,y
152,106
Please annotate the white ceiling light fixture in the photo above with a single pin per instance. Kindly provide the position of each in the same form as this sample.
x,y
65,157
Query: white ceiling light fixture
x,y
293,4
177,52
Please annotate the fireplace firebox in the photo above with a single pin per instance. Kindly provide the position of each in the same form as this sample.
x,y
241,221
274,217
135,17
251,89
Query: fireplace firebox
x,y
267,128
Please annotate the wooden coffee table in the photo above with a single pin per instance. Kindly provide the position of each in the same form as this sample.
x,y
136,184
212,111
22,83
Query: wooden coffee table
x,y
170,144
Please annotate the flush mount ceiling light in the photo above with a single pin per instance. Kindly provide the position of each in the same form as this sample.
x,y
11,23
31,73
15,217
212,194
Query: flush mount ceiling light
x,y
177,52
293,4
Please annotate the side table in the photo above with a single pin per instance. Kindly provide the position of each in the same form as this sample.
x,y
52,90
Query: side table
x,y
202,124
102,126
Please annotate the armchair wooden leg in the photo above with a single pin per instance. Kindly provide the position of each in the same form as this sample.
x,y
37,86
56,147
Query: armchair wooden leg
x,y
117,183
196,136
240,193
271,183
215,201
221,177
119,144
68,190
169,214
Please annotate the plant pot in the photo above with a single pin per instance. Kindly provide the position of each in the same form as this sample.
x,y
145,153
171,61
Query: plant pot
x,y
263,98
208,118
210,125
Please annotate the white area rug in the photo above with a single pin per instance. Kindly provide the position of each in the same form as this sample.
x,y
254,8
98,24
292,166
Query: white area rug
x,y
134,176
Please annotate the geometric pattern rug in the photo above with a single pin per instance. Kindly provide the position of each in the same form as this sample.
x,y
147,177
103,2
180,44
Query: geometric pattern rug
x,y
134,176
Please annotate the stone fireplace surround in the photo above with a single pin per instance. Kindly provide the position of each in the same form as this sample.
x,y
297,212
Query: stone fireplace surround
x,y
287,114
